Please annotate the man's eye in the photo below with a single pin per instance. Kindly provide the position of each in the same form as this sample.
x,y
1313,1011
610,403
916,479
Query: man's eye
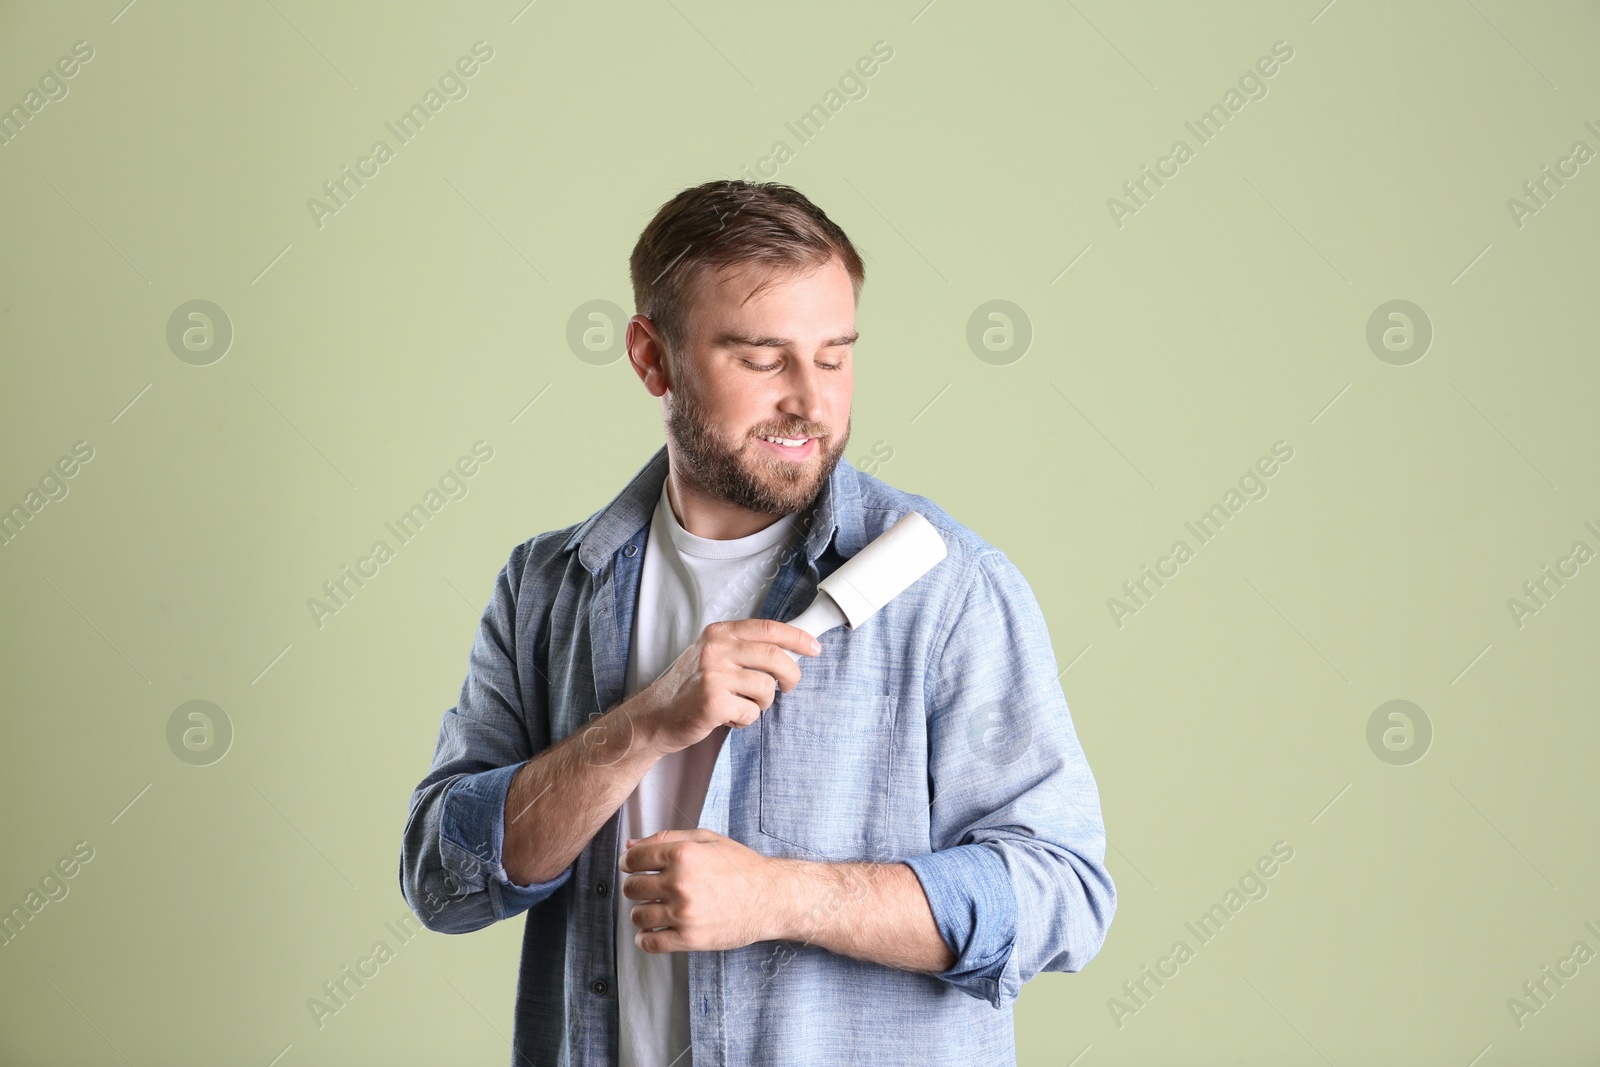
x,y
774,366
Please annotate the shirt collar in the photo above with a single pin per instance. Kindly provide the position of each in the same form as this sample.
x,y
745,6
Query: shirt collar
x,y
836,515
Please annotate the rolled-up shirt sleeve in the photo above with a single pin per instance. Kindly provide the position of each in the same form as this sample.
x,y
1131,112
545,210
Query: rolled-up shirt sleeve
x,y
969,892
1016,880
472,831
451,873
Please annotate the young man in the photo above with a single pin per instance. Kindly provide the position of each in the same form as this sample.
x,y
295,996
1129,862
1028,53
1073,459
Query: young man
x,y
726,856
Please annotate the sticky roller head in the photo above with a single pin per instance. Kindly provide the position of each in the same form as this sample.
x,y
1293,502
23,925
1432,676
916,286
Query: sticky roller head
x,y
884,569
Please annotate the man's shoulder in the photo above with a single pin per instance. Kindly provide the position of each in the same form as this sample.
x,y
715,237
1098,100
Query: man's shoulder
x,y
975,589
546,549
539,563
883,505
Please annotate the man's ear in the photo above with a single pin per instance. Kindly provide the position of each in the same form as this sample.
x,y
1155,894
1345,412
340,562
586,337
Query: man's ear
x,y
647,354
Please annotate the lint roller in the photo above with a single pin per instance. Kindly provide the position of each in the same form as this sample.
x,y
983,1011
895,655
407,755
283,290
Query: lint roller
x,y
872,577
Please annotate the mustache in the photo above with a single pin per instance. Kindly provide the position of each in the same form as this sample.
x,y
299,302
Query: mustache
x,y
796,432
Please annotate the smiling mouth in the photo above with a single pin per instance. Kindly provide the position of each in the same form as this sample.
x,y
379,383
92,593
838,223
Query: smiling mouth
x,y
786,442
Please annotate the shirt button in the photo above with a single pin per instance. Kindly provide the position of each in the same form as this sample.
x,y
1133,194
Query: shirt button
x,y
601,888
599,986
631,551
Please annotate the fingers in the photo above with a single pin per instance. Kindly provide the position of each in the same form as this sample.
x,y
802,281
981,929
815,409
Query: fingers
x,y
667,940
654,853
650,916
771,659
760,645
651,854
693,834
754,685
645,887
773,632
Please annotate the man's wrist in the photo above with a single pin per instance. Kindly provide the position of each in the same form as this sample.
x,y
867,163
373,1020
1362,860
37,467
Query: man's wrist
x,y
808,895
627,731
790,890
780,893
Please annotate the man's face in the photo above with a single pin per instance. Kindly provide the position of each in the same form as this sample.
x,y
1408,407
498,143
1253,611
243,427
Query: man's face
x,y
779,363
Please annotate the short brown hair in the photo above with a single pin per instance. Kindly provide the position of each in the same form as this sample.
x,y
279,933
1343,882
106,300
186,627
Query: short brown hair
x,y
722,223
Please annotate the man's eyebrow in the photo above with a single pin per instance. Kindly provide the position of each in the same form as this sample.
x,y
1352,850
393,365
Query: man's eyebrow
x,y
729,338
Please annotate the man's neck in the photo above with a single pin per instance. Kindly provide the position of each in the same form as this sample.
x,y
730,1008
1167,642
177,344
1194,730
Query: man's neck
x,y
715,520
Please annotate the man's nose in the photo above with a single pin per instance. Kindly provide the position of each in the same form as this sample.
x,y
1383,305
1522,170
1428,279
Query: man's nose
x,y
803,393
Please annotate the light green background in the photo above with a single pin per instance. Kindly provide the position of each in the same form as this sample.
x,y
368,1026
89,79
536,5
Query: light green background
x,y
1229,313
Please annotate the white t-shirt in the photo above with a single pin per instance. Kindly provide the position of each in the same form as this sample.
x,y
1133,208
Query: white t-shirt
x,y
686,583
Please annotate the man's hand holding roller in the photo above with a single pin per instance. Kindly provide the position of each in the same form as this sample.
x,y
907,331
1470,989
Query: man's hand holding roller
x,y
728,675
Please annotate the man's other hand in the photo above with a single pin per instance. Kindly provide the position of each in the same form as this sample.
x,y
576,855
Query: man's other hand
x,y
707,892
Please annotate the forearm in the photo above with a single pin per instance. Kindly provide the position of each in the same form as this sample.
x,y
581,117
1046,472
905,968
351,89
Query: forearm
x,y
561,798
870,911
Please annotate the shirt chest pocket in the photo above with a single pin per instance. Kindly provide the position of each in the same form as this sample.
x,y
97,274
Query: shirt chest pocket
x,y
826,758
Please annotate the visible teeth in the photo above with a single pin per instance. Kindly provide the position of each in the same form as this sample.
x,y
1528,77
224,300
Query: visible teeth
x,y
787,442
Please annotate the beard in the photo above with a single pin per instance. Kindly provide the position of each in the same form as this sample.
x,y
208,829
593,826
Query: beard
x,y
746,476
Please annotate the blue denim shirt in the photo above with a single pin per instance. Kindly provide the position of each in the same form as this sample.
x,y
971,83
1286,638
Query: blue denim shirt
x,y
936,735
